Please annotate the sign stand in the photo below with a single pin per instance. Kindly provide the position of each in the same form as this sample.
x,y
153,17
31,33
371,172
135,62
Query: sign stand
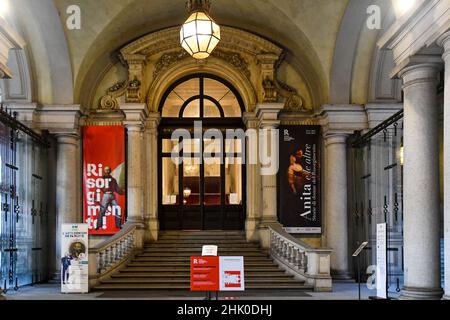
x,y
382,263
356,255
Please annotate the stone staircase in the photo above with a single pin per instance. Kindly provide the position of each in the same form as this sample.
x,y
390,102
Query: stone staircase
x,y
165,265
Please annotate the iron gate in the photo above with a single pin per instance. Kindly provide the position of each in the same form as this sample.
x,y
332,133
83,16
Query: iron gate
x,y
23,207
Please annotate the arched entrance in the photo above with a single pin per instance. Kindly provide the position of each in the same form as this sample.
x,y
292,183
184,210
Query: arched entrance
x,y
201,152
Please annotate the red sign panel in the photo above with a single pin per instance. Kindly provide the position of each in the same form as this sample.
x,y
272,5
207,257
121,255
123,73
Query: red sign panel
x,y
104,179
204,273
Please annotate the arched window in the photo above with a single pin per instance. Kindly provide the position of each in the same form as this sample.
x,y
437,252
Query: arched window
x,y
201,96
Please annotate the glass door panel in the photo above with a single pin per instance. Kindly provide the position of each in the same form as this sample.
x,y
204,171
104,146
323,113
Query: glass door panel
x,y
233,181
191,181
170,182
212,182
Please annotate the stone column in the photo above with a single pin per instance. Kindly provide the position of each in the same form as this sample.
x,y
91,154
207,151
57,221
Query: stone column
x,y
336,203
444,41
421,183
253,182
135,115
151,182
268,130
67,167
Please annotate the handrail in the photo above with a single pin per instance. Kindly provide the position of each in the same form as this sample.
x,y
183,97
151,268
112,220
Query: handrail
x,y
300,259
111,253
118,236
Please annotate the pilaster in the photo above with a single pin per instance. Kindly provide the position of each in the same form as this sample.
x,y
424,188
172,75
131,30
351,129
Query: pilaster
x,y
267,115
135,115
151,219
253,183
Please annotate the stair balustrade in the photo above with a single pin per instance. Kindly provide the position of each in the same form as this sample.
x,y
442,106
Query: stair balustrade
x,y
107,256
299,259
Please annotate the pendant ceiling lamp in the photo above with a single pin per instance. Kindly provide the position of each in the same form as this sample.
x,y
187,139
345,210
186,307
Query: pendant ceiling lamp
x,y
199,35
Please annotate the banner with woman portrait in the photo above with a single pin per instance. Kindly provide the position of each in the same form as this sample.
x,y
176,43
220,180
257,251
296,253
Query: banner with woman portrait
x,y
299,179
104,178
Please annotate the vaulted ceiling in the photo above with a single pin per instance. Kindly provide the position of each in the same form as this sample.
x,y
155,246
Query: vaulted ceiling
x,y
307,29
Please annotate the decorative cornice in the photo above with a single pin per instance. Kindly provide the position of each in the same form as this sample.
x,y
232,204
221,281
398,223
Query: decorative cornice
x,y
168,59
231,38
416,30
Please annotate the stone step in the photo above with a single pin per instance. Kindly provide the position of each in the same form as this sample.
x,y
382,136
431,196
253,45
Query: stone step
x,y
188,281
186,287
203,233
168,260
198,242
196,249
202,236
198,246
190,254
182,264
159,269
186,275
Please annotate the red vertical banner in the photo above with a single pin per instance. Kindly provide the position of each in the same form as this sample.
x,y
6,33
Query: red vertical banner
x,y
104,179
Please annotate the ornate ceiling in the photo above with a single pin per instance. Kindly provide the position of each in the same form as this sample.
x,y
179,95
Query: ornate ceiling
x,y
307,30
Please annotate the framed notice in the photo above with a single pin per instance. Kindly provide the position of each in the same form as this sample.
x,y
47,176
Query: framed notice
x,y
299,179
104,179
231,271
74,258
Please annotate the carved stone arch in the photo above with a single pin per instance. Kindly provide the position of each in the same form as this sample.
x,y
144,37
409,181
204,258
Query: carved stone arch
x,y
247,61
213,66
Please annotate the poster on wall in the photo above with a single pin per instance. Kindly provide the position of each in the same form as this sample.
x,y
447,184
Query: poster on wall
x,y
299,179
104,179
74,258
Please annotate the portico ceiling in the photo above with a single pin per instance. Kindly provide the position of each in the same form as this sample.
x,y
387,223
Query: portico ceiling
x,y
307,29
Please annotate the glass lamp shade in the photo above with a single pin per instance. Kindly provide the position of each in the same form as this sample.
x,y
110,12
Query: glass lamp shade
x,y
199,35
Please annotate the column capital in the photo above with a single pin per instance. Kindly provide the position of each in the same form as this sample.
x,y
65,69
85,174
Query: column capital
x,y
336,138
342,119
418,68
267,114
135,115
58,118
444,42
153,120
71,138
250,120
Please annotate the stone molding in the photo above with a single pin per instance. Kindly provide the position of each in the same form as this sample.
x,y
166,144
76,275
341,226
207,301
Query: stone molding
x,y
135,115
343,119
418,29
267,114
9,39
58,118
444,42
379,112
169,39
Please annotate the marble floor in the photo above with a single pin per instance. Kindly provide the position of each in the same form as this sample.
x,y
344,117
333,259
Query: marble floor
x,y
342,291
